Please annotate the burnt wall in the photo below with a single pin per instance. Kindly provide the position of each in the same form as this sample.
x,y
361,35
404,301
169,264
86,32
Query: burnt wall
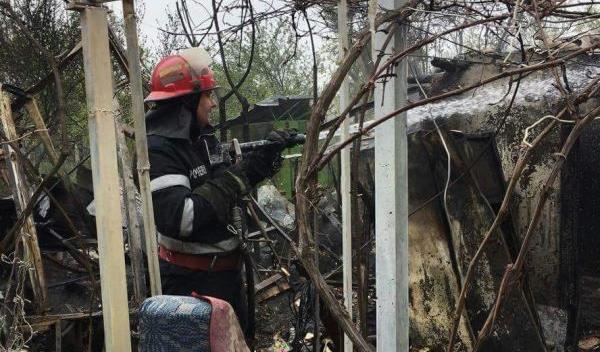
x,y
543,264
589,212
585,302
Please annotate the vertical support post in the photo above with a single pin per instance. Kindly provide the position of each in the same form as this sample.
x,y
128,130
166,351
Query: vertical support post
x,y
391,197
101,124
133,224
21,196
345,173
141,145
317,335
58,336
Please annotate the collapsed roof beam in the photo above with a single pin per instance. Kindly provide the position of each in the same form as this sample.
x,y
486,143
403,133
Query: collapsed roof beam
x,y
115,47
22,196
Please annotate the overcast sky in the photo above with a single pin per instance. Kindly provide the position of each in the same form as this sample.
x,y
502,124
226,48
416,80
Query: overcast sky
x,y
154,16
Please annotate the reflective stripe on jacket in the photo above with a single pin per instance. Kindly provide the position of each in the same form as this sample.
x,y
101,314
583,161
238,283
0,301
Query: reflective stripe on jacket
x,y
185,221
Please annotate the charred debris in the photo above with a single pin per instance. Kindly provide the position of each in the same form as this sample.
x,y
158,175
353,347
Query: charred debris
x,y
503,176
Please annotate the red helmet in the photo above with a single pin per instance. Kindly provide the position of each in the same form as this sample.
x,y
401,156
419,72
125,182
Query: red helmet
x,y
184,73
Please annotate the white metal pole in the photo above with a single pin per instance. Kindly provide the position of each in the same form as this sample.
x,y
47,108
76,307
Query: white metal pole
x,y
391,199
103,150
141,145
345,173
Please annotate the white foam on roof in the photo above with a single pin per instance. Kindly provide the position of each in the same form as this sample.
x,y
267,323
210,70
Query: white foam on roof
x,y
532,90
536,89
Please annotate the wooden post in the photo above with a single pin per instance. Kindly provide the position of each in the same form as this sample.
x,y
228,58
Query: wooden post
x,y
345,186
391,197
21,196
58,336
40,125
133,225
141,145
317,315
98,88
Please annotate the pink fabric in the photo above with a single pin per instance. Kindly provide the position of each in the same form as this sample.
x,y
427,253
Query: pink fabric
x,y
225,332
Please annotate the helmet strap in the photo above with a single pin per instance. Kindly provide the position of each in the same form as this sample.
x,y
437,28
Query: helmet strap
x,y
191,102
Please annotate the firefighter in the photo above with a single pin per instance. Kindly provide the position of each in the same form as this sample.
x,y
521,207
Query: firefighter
x,y
193,192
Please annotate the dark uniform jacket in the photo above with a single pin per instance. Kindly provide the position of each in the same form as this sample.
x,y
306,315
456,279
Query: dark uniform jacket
x,y
182,158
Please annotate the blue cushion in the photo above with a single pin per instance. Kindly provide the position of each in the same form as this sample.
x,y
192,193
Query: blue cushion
x,y
174,324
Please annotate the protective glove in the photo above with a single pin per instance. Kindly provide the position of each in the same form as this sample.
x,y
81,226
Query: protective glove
x,y
260,165
265,163
222,192
282,137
